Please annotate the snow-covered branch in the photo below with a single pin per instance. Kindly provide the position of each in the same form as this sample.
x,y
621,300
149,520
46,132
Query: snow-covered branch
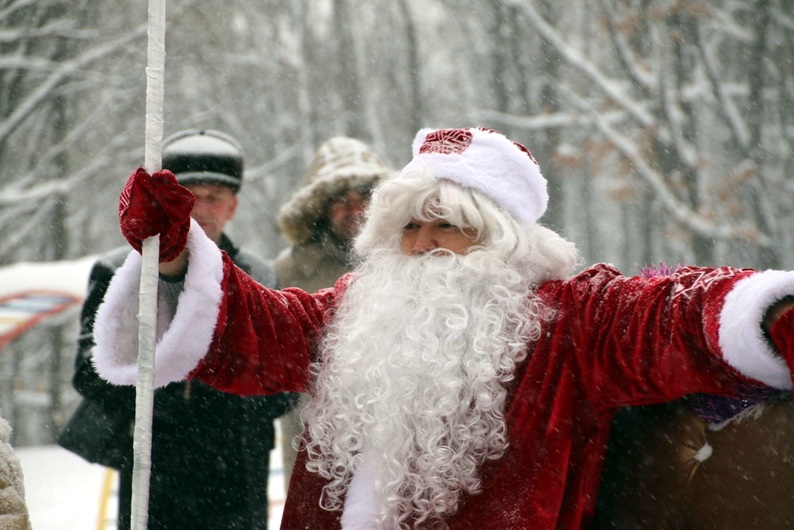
x,y
65,71
703,225
615,90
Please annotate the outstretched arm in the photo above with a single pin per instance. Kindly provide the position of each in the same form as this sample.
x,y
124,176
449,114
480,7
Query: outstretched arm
x,y
698,330
225,329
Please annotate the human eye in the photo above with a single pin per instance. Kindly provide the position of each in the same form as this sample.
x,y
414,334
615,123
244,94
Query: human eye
x,y
339,204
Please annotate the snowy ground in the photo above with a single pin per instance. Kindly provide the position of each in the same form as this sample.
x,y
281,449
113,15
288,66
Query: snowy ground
x,y
64,492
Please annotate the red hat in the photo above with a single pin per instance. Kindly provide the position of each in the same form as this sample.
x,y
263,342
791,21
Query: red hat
x,y
487,161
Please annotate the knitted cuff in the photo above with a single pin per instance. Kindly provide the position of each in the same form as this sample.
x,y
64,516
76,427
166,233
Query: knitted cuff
x,y
170,291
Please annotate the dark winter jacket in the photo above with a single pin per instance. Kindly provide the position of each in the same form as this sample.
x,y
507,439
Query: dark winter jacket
x,y
210,450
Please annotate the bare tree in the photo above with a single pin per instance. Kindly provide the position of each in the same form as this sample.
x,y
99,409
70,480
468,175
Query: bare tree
x,y
45,74
660,68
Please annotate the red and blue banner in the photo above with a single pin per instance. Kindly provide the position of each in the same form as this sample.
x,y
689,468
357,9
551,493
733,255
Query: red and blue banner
x,y
21,311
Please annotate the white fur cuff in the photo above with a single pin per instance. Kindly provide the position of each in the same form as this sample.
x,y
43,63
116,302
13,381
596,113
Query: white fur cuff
x,y
741,338
182,341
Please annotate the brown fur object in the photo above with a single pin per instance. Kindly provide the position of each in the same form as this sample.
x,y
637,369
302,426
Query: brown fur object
x,y
654,478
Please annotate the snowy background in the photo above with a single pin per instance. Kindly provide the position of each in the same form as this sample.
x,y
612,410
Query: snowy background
x,y
63,490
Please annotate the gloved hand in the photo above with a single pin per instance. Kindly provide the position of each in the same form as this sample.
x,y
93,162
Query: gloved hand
x,y
780,324
156,204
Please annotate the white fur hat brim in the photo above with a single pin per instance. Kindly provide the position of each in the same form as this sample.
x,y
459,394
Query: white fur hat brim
x,y
487,161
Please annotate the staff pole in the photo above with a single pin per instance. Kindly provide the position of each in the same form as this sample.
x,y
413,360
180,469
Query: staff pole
x,y
147,316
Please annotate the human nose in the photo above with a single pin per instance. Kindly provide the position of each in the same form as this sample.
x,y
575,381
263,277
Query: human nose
x,y
354,209
423,242
199,208
357,207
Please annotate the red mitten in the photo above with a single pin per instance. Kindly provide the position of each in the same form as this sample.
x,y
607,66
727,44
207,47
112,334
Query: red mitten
x,y
156,204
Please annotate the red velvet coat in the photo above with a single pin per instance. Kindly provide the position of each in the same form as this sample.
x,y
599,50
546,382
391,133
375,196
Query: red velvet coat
x,y
616,341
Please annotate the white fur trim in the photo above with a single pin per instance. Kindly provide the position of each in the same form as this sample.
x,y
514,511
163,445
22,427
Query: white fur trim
x,y
493,165
704,453
360,505
741,338
182,340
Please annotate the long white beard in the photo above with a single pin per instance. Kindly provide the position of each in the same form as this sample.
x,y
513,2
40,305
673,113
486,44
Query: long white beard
x,y
413,371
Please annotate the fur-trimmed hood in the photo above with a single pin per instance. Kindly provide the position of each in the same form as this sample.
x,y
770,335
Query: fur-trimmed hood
x,y
340,164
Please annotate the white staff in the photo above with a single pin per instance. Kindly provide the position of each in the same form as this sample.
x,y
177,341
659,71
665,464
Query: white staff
x,y
147,317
